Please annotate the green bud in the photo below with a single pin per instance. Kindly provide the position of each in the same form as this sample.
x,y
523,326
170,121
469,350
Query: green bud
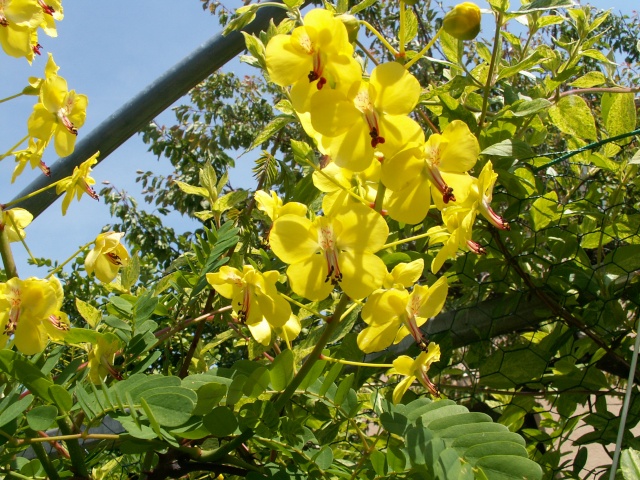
x,y
463,22
352,24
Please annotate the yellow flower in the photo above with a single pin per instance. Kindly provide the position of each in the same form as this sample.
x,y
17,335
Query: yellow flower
x,y
271,204
404,275
254,298
106,258
14,221
18,21
413,369
442,160
25,310
78,183
336,182
52,11
372,116
101,356
315,55
58,323
394,314
59,113
463,22
336,249
31,155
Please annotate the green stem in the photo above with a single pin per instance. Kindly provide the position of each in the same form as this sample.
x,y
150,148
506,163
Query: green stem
x,y
228,447
383,40
10,151
7,256
355,364
314,356
424,51
405,240
30,195
402,34
305,307
73,446
52,473
380,195
492,67
11,97
74,255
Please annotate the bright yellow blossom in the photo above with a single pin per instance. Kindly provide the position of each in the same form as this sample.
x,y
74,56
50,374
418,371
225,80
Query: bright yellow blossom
x,y
271,204
393,314
14,221
26,307
107,257
31,155
372,116
412,369
52,11
78,183
336,182
442,160
335,249
101,356
316,55
254,298
59,113
18,22
404,275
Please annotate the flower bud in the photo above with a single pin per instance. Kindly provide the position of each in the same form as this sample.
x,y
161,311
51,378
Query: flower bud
x,y
463,22
352,25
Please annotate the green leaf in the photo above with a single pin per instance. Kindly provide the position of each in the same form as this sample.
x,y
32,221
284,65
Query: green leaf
x,y
61,397
507,467
364,4
411,25
544,211
42,417
272,128
573,116
229,200
88,312
15,409
324,458
510,148
257,382
619,113
395,459
256,48
130,273
144,307
591,79
537,5
191,189
630,464
168,409
25,372
282,370
220,422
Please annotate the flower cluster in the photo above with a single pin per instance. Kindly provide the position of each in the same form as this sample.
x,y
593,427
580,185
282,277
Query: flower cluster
x,y
20,21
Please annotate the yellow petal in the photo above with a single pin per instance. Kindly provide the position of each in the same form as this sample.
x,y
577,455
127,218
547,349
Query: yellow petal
x,y
261,331
396,91
307,278
401,389
433,298
362,273
376,337
406,274
412,203
293,238
461,151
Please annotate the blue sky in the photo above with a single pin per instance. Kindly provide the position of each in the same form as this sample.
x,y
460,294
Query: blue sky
x,y
111,51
